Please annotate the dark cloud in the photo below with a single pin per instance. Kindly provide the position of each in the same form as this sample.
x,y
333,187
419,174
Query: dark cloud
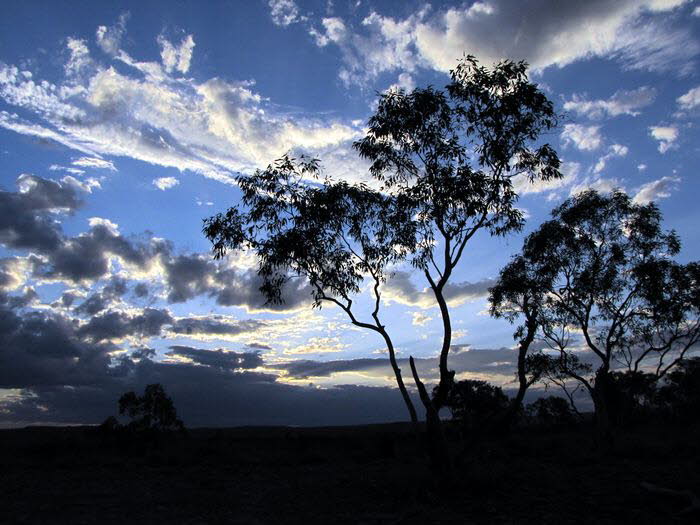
x,y
116,325
86,256
211,396
214,326
258,346
191,275
141,290
93,305
26,216
220,358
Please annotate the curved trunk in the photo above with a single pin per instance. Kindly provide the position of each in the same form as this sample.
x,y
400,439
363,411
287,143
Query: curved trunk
x,y
446,376
523,383
399,380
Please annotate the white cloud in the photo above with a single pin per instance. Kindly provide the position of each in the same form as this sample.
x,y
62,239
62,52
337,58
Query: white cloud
x,y
176,58
616,150
621,103
558,33
690,100
79,58
165,183
109,38
599,184
318,345
545,34
420,319
283,12
655,190
585,138
215,128
94,162
666,135
641,167
382,44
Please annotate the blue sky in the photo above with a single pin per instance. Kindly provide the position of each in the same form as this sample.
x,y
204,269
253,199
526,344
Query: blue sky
x,y
123,126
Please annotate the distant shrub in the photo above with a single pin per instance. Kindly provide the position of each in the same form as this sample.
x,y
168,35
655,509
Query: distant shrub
x,y
473,403
679,397
551,411
154,412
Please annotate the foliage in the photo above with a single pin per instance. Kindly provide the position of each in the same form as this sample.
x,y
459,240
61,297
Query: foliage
x,y
551,411
445,162
679,396
154,411
606,280
473,403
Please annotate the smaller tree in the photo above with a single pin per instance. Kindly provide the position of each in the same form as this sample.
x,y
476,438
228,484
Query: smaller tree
x,y
152,411
680,394
607,284
552,411
474,403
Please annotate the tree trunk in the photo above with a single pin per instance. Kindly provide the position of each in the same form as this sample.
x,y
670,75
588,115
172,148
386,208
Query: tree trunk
x,y
436,444
523,384
603,421
399,381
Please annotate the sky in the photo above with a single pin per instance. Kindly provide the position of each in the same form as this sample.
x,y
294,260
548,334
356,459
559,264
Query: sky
x,y
124,124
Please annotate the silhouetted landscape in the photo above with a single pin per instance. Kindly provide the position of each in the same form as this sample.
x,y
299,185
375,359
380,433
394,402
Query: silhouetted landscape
x,y
351,263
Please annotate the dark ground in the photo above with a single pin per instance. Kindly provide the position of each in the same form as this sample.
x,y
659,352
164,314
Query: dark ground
x,y
366,475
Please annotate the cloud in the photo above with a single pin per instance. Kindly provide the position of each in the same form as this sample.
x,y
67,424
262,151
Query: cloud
x,y
690,100
657,189
666,135
546,34
384,44
190,275
600,184
283,12
585,138
214,326
94,162
116,325
420,319
26,219
621,103
109,38
318,345
176,58
220,358
216,127
550,34
164,183
616,150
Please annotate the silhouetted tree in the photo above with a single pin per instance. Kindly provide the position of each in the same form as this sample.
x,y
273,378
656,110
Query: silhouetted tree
x,y
475,404
519,293
602,258
333,234
551,411
154,411
452,156
679,396
445,162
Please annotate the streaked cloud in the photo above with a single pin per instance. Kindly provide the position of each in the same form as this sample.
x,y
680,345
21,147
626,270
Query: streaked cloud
x,y
623,102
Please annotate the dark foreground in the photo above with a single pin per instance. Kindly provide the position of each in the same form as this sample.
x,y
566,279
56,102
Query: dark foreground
x,y
341,475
